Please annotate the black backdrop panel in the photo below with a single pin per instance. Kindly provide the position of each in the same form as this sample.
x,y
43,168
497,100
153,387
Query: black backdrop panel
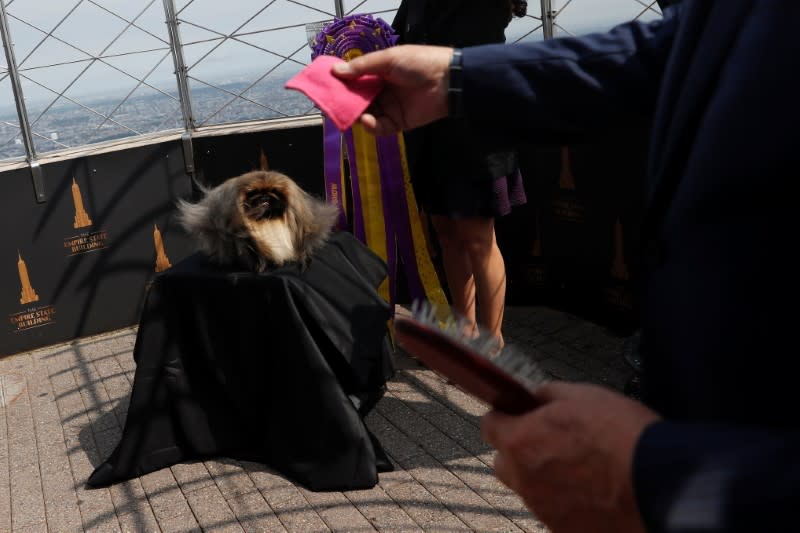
x,y
79,264
296,152
581,250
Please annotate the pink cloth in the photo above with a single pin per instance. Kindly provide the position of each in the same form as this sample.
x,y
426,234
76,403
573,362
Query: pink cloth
x,y
341,100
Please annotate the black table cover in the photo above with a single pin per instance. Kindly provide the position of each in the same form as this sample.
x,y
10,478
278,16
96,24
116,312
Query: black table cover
x,y
278,368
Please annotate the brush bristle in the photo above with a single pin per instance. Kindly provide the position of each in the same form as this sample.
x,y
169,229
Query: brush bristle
x,y
507,357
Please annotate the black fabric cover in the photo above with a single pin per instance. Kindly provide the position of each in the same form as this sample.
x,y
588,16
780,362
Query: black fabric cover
x,y
278,368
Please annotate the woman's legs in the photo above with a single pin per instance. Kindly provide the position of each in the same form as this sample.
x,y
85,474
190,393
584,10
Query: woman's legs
x,y
474,267
457,268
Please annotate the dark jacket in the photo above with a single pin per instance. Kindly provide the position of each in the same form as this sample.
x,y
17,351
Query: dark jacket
x,y
720,78
446,148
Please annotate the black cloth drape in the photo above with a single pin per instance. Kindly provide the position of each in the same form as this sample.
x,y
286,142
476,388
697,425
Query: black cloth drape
x,y
278,368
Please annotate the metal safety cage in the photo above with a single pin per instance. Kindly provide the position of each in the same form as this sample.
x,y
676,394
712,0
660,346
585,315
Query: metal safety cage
x,y
93,71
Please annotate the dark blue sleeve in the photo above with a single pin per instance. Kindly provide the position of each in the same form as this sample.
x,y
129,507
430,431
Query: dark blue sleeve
x,y
530,91
694,477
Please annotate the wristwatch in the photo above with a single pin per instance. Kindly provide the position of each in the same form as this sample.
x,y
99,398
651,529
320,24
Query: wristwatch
x,y
455,89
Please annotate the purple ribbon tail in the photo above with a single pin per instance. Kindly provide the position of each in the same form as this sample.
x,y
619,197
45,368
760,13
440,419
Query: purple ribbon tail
x,y
388,168
358,211
332,155
396,204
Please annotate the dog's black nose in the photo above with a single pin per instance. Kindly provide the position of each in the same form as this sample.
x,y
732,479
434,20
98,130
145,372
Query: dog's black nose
x,y
263,204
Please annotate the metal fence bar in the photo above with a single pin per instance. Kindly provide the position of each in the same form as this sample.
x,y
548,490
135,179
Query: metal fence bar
x,y
16,85
181,75
180,65
22,112
548,19
339,6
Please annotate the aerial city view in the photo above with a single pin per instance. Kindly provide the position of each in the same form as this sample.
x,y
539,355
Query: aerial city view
x,y
69,125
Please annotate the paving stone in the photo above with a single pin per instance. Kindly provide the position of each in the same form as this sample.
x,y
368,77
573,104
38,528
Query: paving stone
x,y
183,523
337,511
461,430
254,513
107,440
129,497
455,399
230,477
143,521
474,511
425,509
431,474
62,512
164,495
97,509
394,442
5,484
27,501
264,478
211,510
3,428
397,477
402,416
83,456
22,451
37,528
293,510
381,510
192,476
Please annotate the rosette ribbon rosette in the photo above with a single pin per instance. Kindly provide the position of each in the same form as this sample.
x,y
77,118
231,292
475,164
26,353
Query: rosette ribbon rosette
x,y
383,213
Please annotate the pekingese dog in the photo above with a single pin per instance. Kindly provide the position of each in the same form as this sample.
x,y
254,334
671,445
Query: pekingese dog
x,y
259,220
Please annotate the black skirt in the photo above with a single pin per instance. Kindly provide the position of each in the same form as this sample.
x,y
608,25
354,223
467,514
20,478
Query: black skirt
x,y
454,176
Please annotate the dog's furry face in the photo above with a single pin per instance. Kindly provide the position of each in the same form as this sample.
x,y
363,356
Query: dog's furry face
x,y
258,220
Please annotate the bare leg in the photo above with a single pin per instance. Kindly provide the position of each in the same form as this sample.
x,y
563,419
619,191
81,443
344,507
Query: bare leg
x,y
457,269
483,269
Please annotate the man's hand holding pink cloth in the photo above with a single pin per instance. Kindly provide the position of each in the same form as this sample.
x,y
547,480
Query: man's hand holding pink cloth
x,y
415,86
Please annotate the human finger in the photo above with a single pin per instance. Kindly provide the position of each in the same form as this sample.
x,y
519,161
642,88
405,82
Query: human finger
x,y
378,126
378,62
493,424
507,471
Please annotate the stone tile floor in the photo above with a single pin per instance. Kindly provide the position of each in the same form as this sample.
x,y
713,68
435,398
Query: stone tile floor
x,y
62,409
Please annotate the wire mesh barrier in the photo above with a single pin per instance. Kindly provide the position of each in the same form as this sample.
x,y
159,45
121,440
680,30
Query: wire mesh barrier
x,y
89,71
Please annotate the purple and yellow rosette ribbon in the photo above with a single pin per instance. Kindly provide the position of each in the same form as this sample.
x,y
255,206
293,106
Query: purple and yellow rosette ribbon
x,y
384,213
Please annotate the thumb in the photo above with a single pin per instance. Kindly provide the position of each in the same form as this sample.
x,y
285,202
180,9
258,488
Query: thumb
x,y
344,70
378,62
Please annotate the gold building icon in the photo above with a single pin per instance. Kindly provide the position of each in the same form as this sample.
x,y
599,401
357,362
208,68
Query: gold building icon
x,y
81,216
162,261
619,269
27,295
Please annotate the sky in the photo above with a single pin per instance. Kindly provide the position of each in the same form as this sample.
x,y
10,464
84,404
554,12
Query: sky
x,y
80,29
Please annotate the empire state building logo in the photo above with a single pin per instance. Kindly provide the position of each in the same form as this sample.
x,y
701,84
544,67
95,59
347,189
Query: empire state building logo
x,y
31,317
162,261
27,295
82,219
